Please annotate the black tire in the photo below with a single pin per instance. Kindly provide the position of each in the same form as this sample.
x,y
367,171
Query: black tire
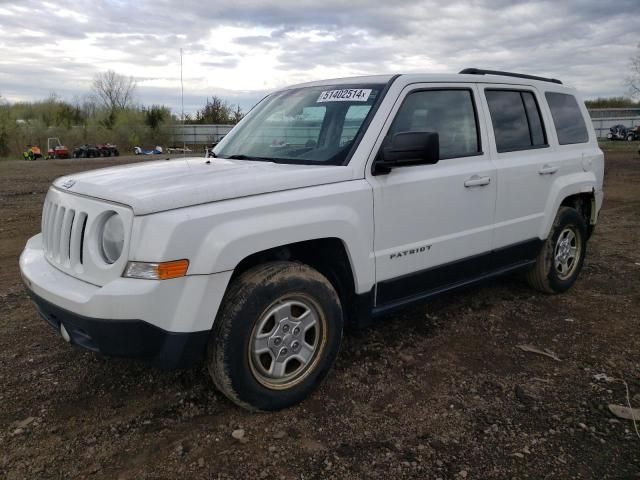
x,y
545,276
249,299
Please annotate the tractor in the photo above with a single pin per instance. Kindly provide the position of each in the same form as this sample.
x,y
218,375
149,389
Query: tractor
x,y
32,152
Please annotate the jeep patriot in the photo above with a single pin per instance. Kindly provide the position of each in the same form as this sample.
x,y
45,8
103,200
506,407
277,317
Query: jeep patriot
x,y
330,203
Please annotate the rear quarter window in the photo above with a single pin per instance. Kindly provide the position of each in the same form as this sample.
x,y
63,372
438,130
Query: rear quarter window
x,y
567,118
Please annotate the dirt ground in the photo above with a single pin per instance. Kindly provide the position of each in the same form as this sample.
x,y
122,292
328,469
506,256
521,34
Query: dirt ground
x,y
438,391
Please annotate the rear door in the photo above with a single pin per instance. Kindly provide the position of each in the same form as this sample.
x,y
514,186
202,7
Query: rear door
x,y
526,164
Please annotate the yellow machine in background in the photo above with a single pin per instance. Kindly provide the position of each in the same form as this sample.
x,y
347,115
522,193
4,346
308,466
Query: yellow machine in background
x,y
32,153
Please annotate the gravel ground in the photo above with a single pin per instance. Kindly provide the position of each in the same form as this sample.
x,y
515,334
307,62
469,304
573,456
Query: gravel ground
x,y
437,391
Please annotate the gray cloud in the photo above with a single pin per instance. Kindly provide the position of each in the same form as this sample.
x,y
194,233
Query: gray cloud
x,y
585,43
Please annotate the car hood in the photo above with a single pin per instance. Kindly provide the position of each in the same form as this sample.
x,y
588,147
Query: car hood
x,y
156,186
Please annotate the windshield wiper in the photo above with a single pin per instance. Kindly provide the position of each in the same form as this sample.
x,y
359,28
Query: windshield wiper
x,y
248,157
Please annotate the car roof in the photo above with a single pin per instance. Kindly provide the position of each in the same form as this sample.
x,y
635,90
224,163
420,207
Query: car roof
x,y
409,78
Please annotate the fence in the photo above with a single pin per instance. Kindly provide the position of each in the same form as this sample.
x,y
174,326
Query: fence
x,y
199,134
282,131
602,125
207,134
614,112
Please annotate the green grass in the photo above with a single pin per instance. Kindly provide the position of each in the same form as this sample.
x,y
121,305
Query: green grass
x,y
619,145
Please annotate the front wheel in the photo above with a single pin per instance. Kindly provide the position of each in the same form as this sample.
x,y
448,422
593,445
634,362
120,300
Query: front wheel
x,y
560,260
276,336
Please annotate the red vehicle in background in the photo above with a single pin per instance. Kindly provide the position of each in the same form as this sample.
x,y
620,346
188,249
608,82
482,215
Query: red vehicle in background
x,y
55,149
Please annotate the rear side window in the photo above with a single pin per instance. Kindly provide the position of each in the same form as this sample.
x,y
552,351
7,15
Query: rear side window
x,y
535,121
516,120
567,118
449,113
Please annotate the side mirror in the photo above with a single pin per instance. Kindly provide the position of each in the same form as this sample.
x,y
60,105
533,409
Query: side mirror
x,y
406,149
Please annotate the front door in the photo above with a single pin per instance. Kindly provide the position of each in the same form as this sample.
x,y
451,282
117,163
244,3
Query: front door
x,y
432,221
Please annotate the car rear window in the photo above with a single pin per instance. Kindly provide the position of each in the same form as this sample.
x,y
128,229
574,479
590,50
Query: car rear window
x,y
567,118
517,123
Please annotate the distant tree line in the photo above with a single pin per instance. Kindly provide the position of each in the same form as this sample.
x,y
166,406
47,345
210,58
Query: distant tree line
x,y
108,113
216,111
612,102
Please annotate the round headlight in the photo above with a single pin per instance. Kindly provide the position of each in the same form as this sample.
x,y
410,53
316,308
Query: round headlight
x,y
112,238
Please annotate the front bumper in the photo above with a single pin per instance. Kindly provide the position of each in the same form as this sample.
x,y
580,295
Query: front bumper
x,y
166,323
126,338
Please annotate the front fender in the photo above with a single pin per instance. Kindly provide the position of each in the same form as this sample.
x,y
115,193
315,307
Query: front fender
x,y
217,237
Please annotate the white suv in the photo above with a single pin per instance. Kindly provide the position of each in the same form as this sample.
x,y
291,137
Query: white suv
x,y
331,203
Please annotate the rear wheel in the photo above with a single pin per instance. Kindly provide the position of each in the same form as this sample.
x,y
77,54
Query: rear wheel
x,y
276,336
560,260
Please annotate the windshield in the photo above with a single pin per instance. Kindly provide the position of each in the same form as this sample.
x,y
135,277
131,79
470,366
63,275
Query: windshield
x,y
304,125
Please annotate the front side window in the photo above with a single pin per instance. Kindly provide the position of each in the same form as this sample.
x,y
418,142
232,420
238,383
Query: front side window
x,y
567,118
317,125
517,123
449,113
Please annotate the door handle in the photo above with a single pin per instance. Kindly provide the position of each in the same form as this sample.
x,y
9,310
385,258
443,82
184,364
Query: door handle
x,y
477,181
548,169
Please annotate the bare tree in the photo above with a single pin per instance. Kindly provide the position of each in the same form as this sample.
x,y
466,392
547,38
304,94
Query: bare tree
x,y
113,90
634,78
237,114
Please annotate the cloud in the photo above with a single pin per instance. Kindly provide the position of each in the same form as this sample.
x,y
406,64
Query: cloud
x,y
242,49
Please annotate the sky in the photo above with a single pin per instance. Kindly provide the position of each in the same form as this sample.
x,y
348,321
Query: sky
x,y
242,49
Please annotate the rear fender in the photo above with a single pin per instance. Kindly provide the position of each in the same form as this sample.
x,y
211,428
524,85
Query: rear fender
x,y
565,186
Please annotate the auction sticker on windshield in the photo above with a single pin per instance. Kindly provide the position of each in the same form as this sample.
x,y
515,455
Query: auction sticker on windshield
x,y
345,95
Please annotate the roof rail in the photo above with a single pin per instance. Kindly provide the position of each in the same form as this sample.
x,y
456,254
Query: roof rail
x,y
479,71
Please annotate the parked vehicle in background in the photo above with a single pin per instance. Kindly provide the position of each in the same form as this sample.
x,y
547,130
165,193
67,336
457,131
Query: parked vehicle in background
x,y
620,132
179,150
86,151
32,152
108,150
55,149
140,151
332,202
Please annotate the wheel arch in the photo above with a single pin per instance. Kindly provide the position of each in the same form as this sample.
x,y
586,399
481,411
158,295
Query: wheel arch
x,y
585,204
576,191
328,255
